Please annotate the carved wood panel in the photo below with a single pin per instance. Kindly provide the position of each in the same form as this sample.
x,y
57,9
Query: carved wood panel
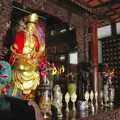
x,y
5,14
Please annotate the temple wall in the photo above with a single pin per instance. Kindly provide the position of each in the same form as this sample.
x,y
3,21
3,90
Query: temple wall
x,y
65,15
5,15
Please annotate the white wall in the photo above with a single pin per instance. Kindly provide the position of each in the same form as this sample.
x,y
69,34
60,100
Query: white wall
x,y
103,32
118,27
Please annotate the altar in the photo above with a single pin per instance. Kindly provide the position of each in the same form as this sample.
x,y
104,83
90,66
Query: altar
x,y
113,114
15,109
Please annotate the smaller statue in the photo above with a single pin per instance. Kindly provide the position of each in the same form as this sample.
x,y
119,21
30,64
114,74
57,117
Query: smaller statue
x,y
109,88
57,99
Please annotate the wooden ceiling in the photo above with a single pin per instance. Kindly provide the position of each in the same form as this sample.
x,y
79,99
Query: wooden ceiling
x,y
102,9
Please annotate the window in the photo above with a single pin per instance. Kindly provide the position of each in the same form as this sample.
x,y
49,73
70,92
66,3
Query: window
x,y
103,32
118,27
73,58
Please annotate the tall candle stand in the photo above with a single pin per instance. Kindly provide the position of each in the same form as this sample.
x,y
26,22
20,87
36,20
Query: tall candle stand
x,y
96,100
112,95
101,98
67,99
73,99
91,101
87,95
44,95
106,98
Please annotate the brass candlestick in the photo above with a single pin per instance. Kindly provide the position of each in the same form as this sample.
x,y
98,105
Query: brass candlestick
x,y
101,98
106,98
87,95
73,99
67,99
112,94
91,99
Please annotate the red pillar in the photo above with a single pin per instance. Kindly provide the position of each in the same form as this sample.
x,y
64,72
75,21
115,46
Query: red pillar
x,y
95,53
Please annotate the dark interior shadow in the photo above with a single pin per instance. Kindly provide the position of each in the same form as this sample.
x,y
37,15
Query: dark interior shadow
x,y
15,109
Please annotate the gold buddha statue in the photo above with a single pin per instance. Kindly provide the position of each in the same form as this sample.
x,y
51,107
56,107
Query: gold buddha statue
x,y
27,51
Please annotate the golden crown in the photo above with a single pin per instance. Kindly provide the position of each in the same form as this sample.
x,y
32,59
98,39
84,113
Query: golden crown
x,y
33,18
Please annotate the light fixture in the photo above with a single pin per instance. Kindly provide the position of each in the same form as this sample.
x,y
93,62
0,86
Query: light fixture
x,y
63,30
62,57
52,32
70,27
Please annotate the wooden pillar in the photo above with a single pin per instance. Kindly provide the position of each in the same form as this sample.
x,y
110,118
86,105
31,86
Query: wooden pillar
x,y
80,45
95,54
83,37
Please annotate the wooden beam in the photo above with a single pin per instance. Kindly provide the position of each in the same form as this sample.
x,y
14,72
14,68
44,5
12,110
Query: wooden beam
x,y
114,19
89,1
95,53
109,3
76,8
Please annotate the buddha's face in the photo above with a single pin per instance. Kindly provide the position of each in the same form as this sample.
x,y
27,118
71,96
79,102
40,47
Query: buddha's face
x,y
24,65
26,75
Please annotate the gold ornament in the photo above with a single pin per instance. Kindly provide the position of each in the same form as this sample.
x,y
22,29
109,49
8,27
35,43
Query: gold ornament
x,y
25,76
33,18
26,73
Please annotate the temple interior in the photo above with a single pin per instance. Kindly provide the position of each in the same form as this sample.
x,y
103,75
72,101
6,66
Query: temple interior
x,y
60,60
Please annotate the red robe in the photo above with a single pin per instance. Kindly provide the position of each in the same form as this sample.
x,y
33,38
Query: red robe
x,y
19,42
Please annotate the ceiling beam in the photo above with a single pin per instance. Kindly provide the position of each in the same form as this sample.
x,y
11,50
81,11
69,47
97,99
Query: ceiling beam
x,y
71,6
109,3
79,9
114,19
89,1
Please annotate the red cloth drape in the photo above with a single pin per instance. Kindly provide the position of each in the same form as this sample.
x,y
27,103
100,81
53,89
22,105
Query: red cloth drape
x,y
19,42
